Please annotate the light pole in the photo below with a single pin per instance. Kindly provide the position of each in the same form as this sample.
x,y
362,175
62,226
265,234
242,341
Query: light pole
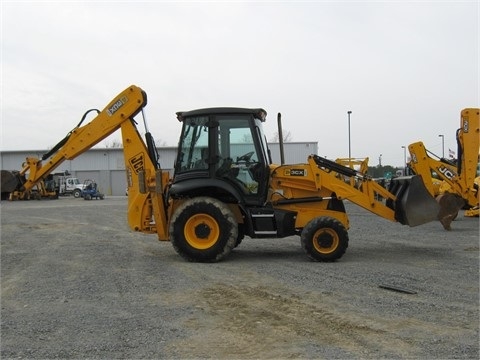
x,y
443,145
349,143
404,160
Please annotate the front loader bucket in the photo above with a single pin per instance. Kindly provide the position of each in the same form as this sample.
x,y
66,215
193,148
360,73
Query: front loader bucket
x,y
414,204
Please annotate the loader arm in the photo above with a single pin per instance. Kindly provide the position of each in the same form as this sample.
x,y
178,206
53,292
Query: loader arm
x,y
146,205
303,187
406,201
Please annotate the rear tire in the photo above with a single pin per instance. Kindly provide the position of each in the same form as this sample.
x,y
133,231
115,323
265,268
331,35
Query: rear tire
x,y
203,229
324,239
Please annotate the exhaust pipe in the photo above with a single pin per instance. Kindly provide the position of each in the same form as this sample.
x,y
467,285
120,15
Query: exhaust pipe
x,y
280,138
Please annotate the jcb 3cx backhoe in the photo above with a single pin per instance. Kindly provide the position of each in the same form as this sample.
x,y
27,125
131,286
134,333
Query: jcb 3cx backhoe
x,y
225,186
459,181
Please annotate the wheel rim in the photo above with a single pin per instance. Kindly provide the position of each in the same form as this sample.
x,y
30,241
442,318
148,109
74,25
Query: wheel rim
x,y
326,241
201,231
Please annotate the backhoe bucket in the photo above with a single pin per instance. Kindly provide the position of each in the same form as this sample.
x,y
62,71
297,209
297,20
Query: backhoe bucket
x,y
414,204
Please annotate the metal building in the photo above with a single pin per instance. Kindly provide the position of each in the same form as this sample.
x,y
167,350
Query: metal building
x,y
107,167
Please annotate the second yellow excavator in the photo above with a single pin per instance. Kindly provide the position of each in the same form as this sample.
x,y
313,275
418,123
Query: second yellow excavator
x,y
454,184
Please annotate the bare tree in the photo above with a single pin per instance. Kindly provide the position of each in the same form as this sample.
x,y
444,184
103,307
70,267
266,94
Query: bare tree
x,y
287,136
247,138
160,143
114,143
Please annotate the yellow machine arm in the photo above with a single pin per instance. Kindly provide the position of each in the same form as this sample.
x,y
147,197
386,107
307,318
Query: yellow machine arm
x,y
146,210
456,185
431,169
407,201
120,110
460,176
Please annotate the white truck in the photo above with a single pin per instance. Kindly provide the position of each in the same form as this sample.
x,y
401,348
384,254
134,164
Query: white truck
x,y
68,185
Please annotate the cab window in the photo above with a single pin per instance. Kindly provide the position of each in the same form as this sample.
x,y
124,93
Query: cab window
x,y
194,144
238,153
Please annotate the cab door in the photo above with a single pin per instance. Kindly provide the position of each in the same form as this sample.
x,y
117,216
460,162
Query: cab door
x,y
242,159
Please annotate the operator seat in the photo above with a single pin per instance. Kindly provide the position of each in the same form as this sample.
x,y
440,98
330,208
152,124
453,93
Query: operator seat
x,y
225,168
202,163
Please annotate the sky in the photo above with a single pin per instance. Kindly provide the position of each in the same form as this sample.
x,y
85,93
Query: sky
x,y
405,69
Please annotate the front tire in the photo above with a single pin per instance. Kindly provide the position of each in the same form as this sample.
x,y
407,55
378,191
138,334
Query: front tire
x,y
324,239
203,229
77,193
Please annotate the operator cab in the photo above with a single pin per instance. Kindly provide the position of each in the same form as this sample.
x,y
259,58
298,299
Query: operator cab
x,y
222,152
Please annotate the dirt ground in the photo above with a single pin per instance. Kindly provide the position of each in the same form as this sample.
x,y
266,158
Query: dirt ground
x,y
76,282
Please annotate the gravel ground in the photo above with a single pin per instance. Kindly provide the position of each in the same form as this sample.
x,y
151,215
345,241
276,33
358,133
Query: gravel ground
x,y
76,282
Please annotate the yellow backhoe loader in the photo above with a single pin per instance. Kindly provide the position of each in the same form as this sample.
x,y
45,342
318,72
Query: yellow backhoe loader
x,y
361,165
457,182
225,187
9,186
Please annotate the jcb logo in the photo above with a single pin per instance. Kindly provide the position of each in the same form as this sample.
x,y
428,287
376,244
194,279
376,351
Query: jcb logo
x,y
414,158
295,172
137,162
117,105
465,125
446,172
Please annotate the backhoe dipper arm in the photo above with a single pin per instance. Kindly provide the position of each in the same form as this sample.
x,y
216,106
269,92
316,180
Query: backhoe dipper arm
x,y
468,140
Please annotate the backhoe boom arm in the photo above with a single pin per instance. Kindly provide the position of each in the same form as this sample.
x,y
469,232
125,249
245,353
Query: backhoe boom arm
x,y
146,204
122,108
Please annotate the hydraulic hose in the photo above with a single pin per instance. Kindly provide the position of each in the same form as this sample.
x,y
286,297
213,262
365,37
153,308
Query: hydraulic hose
x,y
65,139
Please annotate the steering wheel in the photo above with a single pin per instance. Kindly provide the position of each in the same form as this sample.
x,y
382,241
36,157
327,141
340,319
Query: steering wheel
x,y
245,157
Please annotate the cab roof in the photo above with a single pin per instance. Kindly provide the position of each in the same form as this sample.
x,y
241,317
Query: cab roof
x,y
258,113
